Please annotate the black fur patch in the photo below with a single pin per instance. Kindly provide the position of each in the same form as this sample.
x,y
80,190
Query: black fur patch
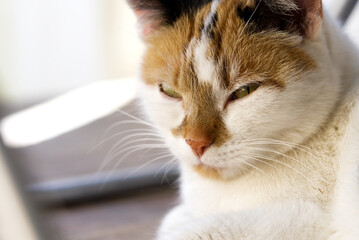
x,y
262,17
245,13
170,10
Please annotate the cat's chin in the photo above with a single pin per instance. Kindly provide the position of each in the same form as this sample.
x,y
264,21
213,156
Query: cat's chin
x,y
216,173
208,171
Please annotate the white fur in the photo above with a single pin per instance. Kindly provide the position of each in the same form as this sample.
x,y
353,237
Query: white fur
x,y
204,66
308,188
210,16
345,215
280,220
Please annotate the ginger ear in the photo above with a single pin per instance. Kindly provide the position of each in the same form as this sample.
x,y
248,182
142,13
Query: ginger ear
x,y
312,16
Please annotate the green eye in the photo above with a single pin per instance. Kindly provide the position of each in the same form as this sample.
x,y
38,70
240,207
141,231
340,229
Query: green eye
x,y
244,91
169,91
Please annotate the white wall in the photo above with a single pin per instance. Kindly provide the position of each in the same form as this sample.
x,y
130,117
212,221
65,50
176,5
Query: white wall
x,y
123,48
50,46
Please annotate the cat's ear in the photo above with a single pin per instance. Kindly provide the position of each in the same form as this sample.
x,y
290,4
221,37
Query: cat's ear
x,y
150,15
297,16
311,16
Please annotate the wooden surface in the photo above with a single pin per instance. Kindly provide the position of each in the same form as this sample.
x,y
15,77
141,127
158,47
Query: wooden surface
x,y
132,217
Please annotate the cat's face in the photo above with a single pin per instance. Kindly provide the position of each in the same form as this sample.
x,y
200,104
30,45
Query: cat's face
x,y
232,90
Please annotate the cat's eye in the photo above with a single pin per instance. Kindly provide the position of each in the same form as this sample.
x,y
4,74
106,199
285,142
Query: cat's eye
x,y
244,91
170,92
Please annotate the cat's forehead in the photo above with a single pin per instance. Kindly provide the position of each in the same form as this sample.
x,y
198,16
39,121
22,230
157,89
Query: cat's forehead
x,y
220,45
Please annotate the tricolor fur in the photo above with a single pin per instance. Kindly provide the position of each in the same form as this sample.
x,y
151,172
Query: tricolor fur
x,y
276,163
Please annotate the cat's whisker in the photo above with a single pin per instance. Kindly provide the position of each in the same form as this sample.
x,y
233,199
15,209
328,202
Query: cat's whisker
x,y
137,169
249,19
148,150
172,163
145,140
157,152
132,172
128,146
266,142
302,148
138,119
130,121
148,163
284,164
262,161
137,136
137,147
281,154
245,26
295,146
107,139
165,165
129,150
119,144
252,166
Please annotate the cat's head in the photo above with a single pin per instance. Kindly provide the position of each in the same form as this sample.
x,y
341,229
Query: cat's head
x,y
233,84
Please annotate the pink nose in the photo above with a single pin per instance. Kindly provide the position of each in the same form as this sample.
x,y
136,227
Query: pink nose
x,y
198,146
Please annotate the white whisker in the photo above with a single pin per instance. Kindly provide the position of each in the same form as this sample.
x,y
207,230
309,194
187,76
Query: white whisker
x,y
245,26
129,150
136,138
252,166
283,155
120,145
284,164
293,146
262,161
138,119
141,130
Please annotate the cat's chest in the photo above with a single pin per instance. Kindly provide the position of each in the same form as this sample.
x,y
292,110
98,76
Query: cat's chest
x,y
203,196
208,197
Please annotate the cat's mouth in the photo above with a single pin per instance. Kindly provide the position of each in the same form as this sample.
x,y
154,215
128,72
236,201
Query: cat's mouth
x,y
208,171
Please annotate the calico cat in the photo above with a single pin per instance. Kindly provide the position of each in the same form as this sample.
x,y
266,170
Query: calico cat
x,y
258,99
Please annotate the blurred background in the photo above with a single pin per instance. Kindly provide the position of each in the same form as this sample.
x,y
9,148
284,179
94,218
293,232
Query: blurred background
x,y
78,173
49,46
78,184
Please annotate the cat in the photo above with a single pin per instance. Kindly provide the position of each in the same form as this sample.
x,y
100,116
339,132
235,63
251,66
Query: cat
x,y
258,100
